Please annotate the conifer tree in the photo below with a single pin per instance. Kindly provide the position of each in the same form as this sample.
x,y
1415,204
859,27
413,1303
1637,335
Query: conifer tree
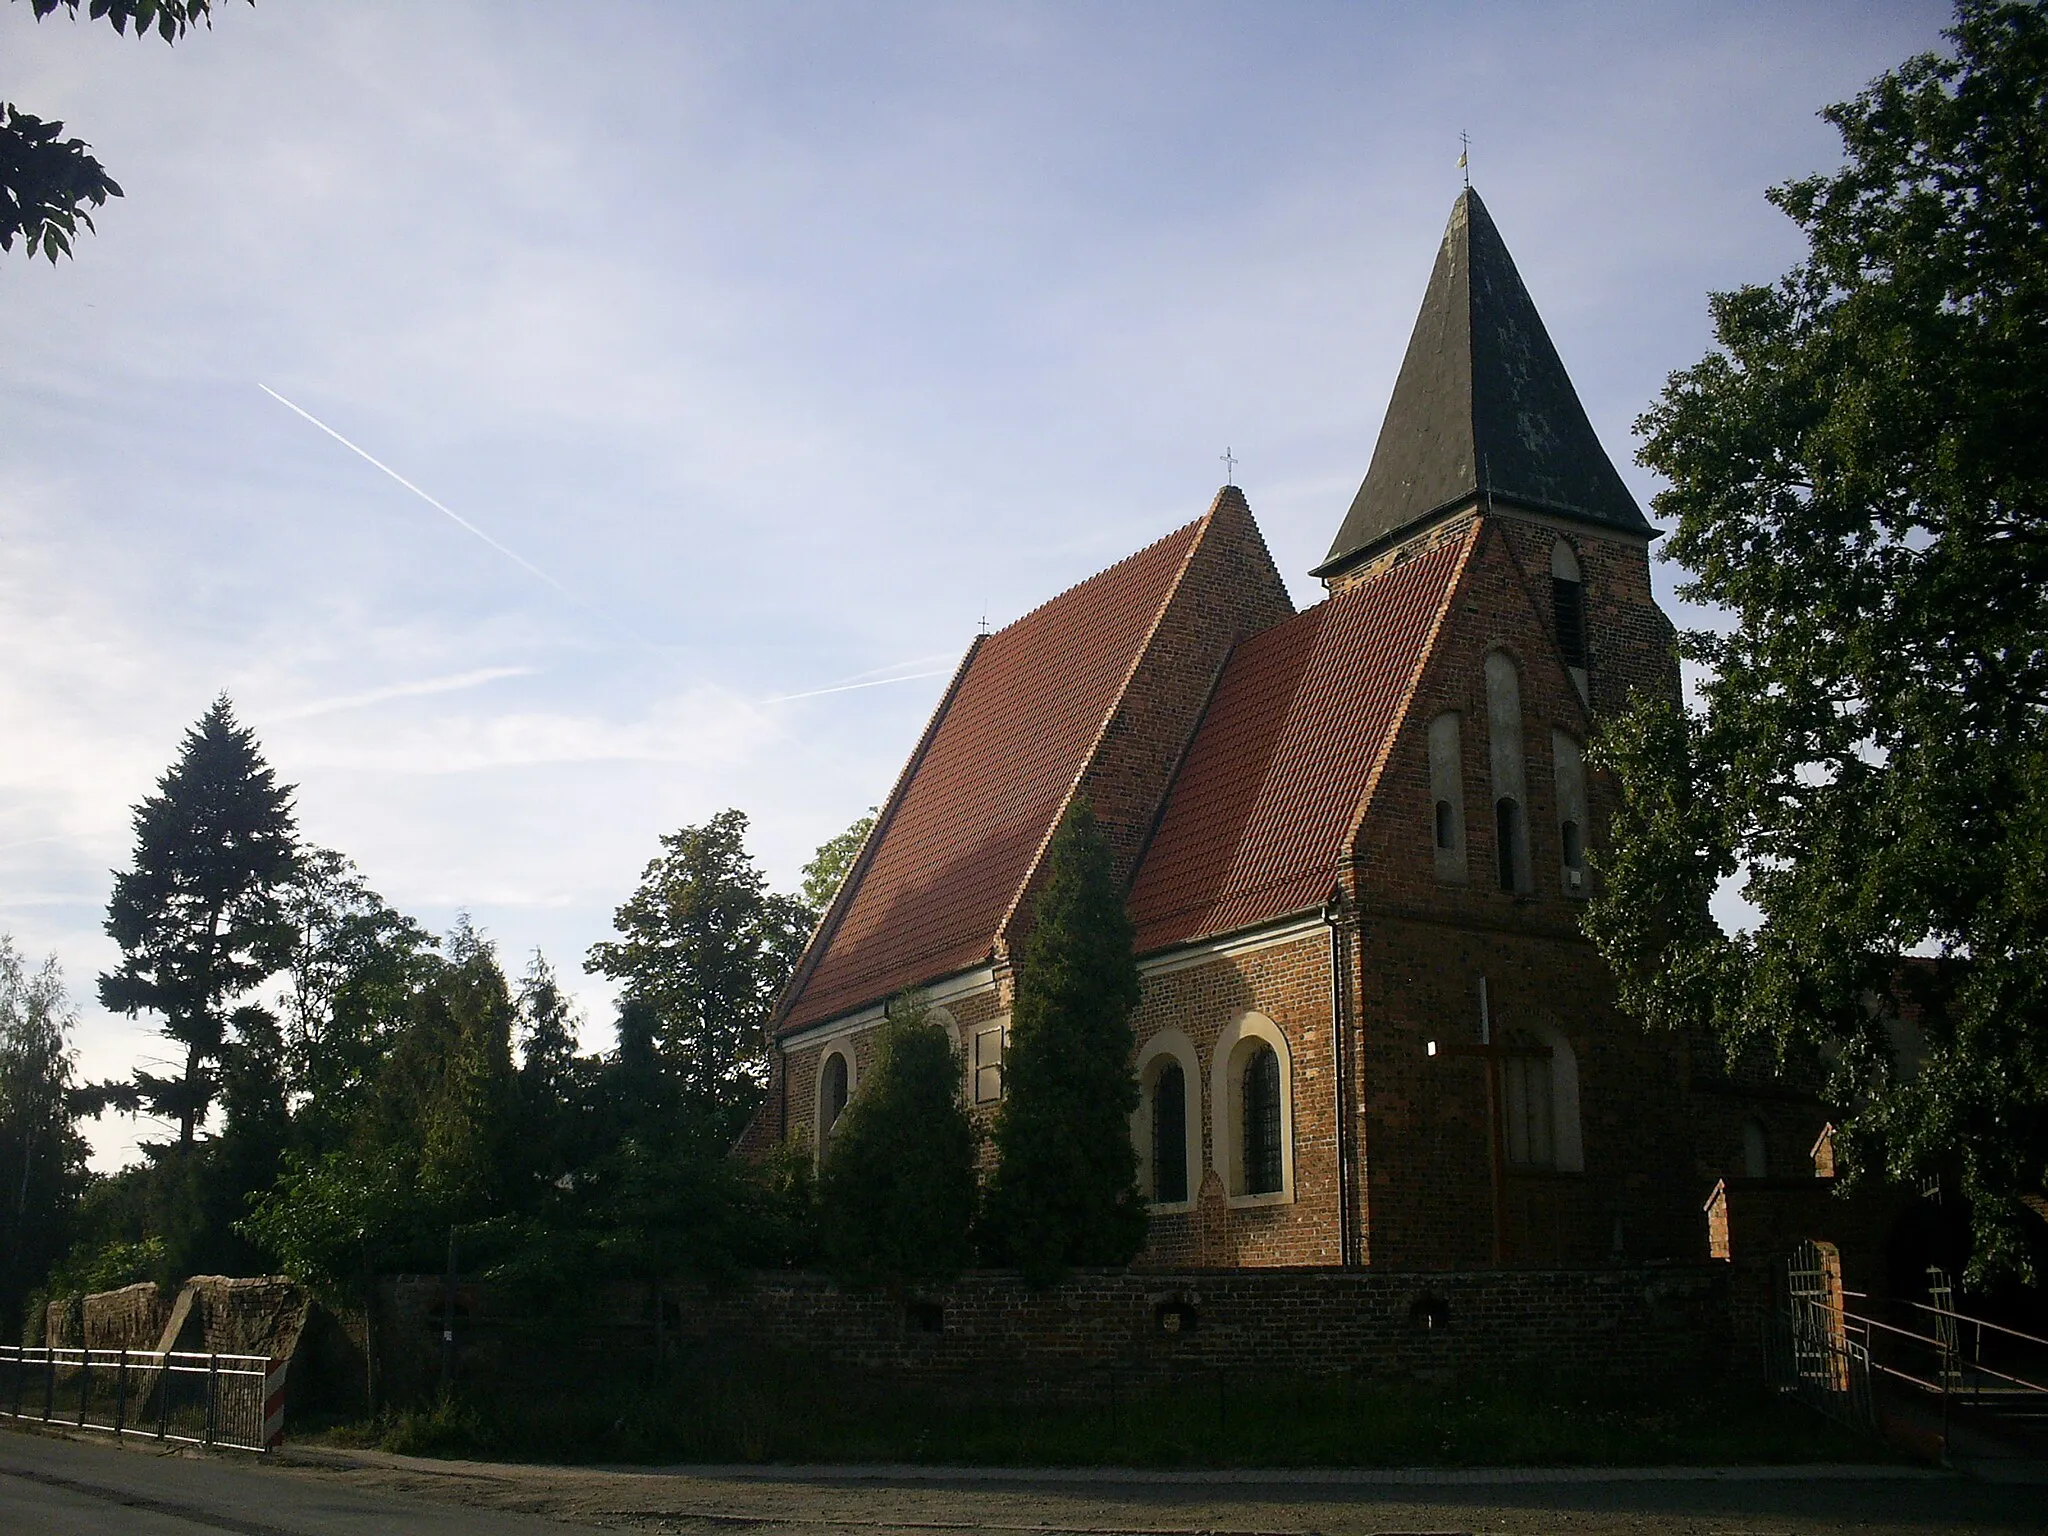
x,y
1065,1186
897,1189
199,917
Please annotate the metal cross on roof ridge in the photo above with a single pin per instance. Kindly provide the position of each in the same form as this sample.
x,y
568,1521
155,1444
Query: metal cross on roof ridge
x,y
1230,463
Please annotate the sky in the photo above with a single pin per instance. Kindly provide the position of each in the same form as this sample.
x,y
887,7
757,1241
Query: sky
x,y
742,359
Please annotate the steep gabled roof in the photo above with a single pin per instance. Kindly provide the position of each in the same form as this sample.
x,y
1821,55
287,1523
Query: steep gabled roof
x,y
1483,408
1262,809
956,842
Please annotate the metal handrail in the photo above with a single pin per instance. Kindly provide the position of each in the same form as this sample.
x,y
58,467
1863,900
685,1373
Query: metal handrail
x,y
1978,1322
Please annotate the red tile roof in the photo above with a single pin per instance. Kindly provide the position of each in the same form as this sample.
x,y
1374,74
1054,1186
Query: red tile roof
x,y
1274,782
959,835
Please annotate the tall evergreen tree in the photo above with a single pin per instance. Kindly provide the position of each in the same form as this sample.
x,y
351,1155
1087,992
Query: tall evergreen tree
x,y
705,947
198,918
1065,1186
897,1189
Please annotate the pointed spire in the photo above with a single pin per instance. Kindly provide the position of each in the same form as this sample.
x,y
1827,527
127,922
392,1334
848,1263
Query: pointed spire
x,y
1483,409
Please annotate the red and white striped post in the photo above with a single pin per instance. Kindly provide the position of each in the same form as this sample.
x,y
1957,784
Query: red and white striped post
x,y
273,1404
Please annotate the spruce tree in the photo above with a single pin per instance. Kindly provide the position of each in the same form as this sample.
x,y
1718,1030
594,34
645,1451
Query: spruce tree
x,y
1065,1186
897,1190
199,918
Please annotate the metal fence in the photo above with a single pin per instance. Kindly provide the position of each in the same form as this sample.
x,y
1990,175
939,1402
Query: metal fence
x,y
199,1399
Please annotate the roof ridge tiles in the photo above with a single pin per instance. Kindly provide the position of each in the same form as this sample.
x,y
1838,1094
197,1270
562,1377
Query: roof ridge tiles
x,y
1136,554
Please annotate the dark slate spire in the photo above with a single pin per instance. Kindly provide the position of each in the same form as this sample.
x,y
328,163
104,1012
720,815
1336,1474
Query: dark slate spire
x,y
1483,407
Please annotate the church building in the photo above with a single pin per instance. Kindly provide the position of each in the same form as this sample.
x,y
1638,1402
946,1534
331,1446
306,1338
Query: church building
x,y
1355,843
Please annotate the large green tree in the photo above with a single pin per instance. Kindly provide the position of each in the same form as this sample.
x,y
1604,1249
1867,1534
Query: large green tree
x,y
1859,476
47,182
1065,1186
199,918
704,947
42,1155
832,863
898,1187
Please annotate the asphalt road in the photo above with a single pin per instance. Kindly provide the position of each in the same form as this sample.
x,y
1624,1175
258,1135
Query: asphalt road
x,y
69,1488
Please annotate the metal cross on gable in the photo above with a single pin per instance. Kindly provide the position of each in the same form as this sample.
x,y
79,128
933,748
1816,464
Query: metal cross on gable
x,y
1230,463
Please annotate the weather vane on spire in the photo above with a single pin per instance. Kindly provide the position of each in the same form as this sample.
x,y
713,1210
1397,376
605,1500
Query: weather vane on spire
x,y
1230,462
1465,157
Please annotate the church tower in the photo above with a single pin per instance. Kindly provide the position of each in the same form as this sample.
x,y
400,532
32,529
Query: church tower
x,y
1484,423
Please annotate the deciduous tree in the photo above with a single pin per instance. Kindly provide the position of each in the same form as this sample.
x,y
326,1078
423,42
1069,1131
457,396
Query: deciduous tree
x,y
704,949
42,1155
46,180
1859,475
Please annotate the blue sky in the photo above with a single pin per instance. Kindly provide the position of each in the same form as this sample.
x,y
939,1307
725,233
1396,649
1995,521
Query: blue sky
x,y
786,340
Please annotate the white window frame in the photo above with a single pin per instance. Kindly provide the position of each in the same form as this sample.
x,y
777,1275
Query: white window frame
x,y
999,1028
1168,1045
822,1134
1226,1105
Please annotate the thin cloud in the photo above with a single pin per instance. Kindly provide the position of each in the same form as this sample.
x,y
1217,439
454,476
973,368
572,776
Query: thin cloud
x,y
368,697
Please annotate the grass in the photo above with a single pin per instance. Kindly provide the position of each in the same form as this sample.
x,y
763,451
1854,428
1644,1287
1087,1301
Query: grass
x,y
787,1414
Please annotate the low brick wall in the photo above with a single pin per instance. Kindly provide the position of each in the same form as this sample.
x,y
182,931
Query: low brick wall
x,y
1639,1325
130,1318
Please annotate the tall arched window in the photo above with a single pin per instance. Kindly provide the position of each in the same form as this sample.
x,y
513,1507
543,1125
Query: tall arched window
x,y
1570,766
1447,790
1756,1150
1539,1080
1170,1135
1261,1122
835,1087
1568,604
1251,1097
1509,771
1526,1085
1166,1128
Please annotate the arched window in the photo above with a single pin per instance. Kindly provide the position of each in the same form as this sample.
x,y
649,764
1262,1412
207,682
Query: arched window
x,y
1170,1135
1447,789
1166,1128
1570,767
1568,604
1527,1087
835,1087
1539,1080
1756,1150
1251,1095
1509,771
1510,837
1262,1122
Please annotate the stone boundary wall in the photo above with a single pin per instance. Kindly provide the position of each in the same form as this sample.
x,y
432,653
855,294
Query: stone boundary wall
x,y
1636,1325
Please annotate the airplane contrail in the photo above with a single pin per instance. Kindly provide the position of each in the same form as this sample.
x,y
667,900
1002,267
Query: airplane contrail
x,y
880,682
517,559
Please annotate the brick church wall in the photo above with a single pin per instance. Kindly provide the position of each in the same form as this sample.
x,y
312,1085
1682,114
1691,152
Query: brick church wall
x,y
1289,983
1424,945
